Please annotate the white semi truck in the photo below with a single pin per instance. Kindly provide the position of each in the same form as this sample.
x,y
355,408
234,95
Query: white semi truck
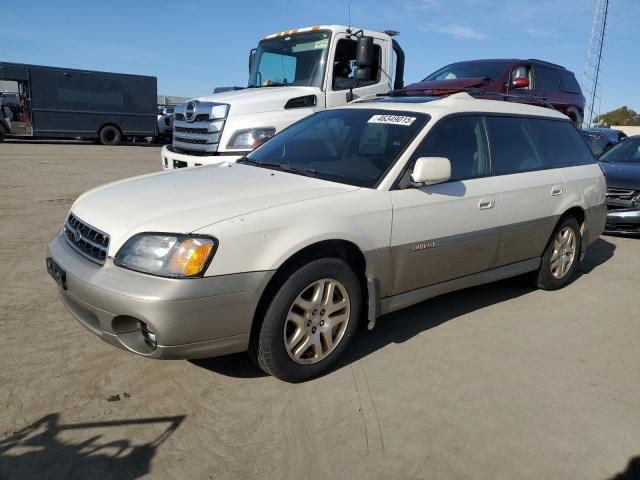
x,y
291,75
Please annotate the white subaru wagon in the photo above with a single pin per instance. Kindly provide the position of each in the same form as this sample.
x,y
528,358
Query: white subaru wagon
x,y
345,216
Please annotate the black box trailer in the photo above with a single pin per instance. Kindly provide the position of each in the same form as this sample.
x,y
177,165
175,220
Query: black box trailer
x,y
51,102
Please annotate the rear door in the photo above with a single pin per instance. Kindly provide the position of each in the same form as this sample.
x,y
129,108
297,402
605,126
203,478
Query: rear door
x,y
531,190
446,231
546,85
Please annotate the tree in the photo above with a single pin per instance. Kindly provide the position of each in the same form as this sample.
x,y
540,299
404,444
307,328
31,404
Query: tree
x,y
621,116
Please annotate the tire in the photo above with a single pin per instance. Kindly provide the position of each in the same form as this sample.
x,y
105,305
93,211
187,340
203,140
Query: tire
x,y
3,132
110,135
296,344
554,272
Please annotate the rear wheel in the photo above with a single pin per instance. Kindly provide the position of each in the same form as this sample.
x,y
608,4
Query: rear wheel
x,y
309,322
560,259
110,135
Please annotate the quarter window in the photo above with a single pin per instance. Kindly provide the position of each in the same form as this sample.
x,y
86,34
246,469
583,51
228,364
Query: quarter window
x,y
462,140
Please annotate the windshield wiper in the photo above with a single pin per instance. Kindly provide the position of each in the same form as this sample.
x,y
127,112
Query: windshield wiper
x,y
284,166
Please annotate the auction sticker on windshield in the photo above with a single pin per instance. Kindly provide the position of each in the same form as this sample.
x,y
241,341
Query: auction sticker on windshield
x,y
392,119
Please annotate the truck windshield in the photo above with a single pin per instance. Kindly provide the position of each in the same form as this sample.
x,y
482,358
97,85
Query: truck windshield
x,y
492,70
297,59
352,146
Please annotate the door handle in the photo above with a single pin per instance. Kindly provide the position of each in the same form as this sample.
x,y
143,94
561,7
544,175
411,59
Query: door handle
x,y
486,203
556,190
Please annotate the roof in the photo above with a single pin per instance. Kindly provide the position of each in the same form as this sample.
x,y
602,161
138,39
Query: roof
x,y
332,28
456,103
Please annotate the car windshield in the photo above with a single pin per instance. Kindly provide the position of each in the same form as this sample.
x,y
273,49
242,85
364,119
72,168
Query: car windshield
x,y
627,151
352,146
298,59
492,70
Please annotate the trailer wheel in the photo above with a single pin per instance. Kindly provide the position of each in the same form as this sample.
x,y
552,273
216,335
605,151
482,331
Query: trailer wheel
x,y
3,132
110,135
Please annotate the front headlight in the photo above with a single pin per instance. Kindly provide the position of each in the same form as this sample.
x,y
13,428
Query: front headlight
x,y
167,255
250,138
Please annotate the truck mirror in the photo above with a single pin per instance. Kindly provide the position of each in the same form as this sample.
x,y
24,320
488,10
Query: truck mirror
x,y
252,56
364,55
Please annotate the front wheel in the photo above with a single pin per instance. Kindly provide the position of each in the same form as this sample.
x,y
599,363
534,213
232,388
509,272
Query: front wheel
x,y
560,258
309,322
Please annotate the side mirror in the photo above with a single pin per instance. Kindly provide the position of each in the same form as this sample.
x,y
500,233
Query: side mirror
x,y
520,82
364,58
431,170
252,56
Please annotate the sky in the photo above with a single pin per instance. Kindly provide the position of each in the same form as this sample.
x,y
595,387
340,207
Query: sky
x,y
193,46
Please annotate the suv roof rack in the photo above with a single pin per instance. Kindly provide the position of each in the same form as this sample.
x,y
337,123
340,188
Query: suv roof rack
x,y
476,93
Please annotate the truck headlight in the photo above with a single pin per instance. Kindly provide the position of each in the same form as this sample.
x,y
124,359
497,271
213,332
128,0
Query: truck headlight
x,y
167,255
250,138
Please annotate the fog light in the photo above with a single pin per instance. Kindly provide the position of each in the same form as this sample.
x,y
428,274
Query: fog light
x,y
148,335
166,162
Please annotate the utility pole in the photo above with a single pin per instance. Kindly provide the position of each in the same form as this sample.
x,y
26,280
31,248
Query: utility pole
x,y
591,74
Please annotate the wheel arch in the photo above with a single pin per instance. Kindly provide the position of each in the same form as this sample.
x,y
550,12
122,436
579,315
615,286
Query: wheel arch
x,y
109,124
338,248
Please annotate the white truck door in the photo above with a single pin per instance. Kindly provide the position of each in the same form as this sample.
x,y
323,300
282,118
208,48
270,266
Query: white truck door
x,y
342,66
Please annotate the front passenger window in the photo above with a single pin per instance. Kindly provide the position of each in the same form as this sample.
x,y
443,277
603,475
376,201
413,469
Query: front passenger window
x,y
462,141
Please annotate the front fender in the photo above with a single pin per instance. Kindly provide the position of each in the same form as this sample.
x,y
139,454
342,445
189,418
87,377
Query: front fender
x,y
265,240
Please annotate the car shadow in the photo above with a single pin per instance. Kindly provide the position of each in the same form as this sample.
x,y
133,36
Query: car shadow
x,y
400,326
632,472
39,451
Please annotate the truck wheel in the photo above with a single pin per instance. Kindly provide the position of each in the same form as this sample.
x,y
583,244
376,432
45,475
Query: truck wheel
x,y
560,259
3,132
309,321
110,135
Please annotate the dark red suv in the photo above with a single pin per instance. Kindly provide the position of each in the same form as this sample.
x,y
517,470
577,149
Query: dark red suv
x,y
532,81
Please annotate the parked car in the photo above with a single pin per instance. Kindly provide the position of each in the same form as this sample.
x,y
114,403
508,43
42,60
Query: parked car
x,y
165,122
351,212
601,139
529,81
621,165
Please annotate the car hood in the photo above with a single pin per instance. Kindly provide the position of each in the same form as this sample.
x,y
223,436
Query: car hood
x,y
185,200
257,100
446,86
622,175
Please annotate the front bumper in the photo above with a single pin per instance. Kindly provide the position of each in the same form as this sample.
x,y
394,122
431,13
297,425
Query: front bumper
x,y
625,221
172,159
190,318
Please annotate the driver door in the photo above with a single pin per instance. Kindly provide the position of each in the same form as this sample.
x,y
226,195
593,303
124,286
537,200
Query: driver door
x,y
449,230
342,66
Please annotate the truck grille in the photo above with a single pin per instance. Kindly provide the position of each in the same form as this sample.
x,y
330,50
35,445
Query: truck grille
x,y
199,141
201,117
191,130
90,242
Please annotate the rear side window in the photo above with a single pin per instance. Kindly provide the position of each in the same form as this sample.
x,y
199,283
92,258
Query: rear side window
x,y
546,79
569,82
512,146
523,144
463,141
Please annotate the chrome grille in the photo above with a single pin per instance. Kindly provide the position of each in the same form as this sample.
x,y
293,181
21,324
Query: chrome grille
x,y
90,242
199,141
621,193
191,130
201,117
